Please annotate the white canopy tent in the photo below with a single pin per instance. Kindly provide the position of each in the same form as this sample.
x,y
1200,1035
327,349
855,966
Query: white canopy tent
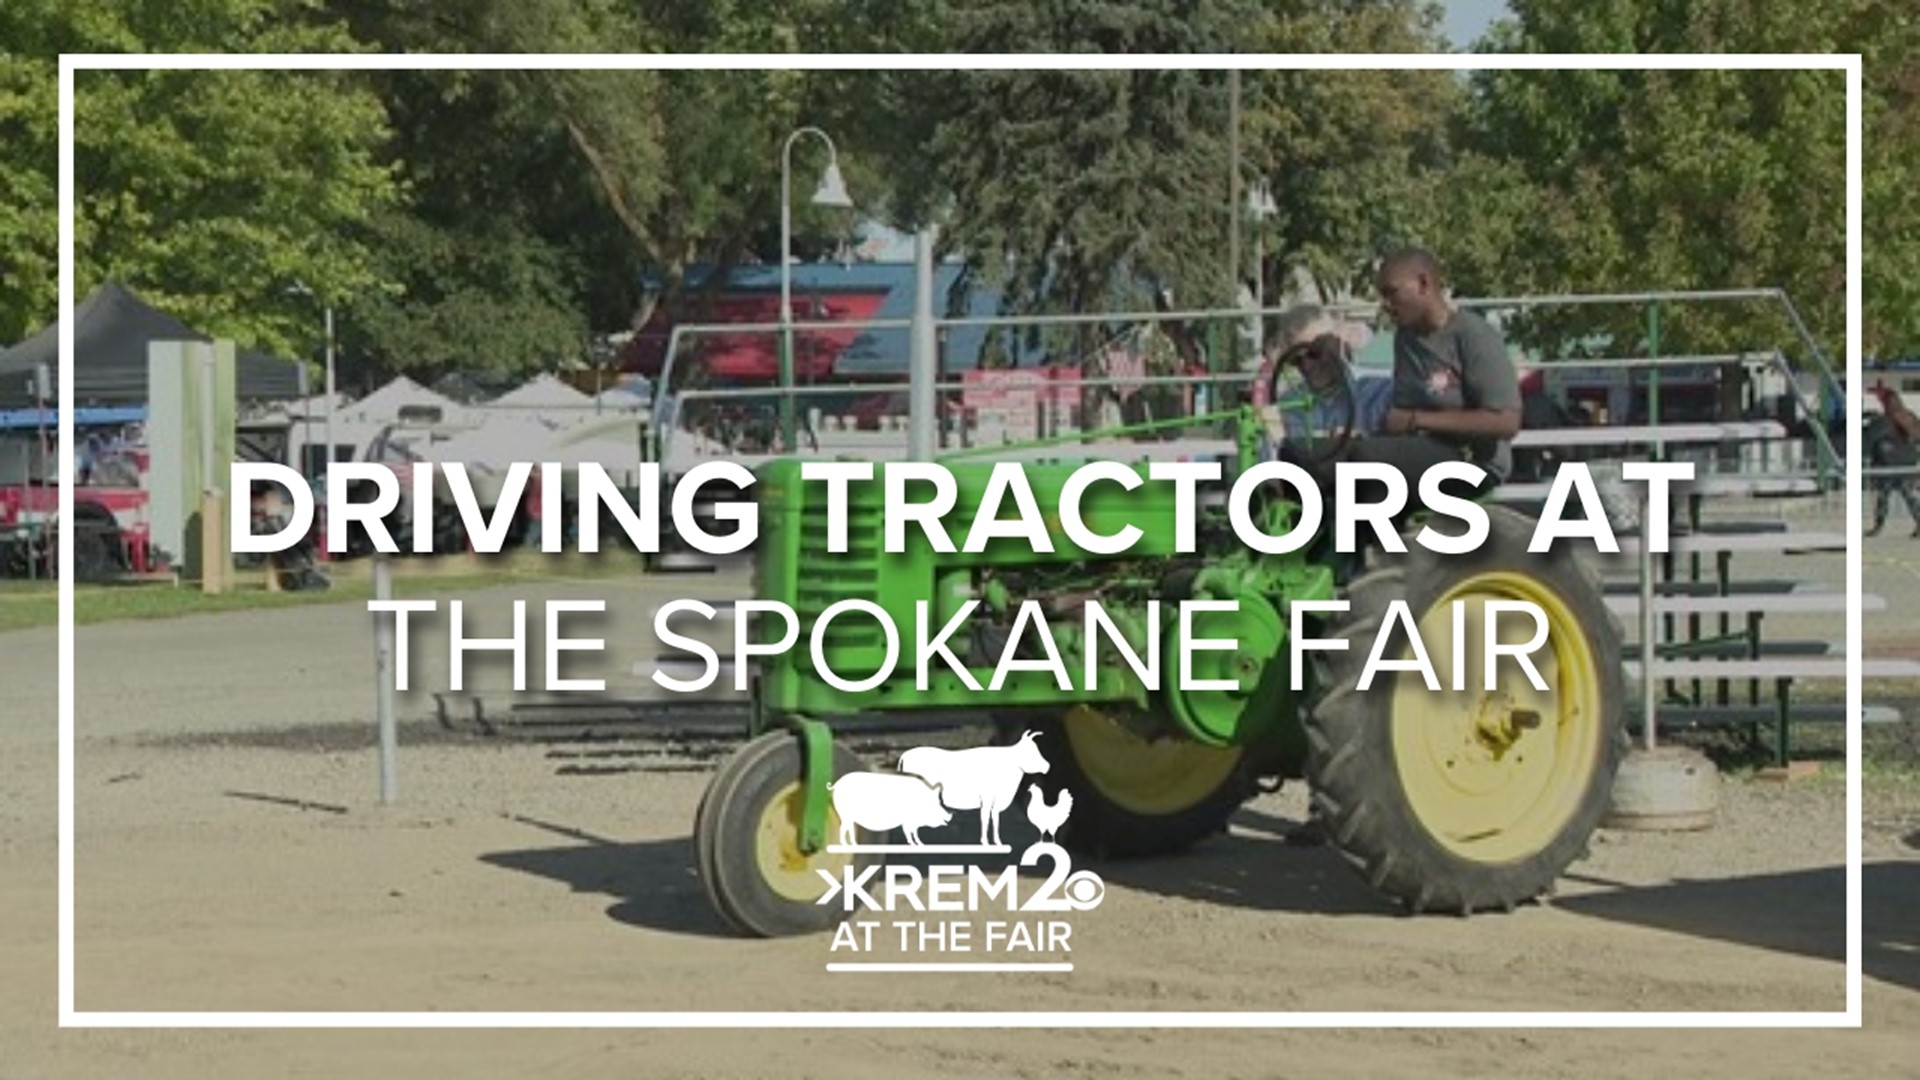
x,y
620,399
384,405
543,391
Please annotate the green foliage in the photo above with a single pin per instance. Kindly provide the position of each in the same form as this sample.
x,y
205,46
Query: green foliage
x,y
208,192
495,220
29,222
1086,190
212,193
1350,157
1660,180
1712,179
495,254
1082,190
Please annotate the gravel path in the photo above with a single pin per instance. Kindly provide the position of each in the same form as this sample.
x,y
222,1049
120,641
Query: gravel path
x,y
231,856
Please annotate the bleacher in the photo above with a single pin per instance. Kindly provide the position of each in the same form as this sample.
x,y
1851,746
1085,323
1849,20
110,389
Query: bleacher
x,y
1718,665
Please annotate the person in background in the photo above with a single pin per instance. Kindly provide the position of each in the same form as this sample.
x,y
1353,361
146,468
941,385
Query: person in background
x,y
1327,341
1890,441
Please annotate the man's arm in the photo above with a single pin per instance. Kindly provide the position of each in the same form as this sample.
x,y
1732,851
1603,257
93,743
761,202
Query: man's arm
x,y
1472,423
1490,380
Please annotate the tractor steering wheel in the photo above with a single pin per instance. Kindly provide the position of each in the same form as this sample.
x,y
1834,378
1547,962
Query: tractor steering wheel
x,y
1310,405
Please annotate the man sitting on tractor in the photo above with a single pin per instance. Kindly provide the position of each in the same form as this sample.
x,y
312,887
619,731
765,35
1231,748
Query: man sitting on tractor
x,y
1456,394
1318,344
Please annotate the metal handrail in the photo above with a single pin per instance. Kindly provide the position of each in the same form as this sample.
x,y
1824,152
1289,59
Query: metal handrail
x,y
729,392
1830,457
1639,363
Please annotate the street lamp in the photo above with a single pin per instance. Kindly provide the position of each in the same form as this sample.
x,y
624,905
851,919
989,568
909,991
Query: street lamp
x,y
832,192
300,289
1261,205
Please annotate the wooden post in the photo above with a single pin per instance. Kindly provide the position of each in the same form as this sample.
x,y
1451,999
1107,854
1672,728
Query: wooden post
x,y
213,541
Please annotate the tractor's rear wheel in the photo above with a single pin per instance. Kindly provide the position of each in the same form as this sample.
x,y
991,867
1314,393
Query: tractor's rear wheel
x,y
1463,801
746,839
1134,795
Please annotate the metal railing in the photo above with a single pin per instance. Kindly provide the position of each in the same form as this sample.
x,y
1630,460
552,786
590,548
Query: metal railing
x,y
666,400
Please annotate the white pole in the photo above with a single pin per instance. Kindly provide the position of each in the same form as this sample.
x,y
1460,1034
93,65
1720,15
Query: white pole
x,y
330,386
788,437
207,486
383,662
213,575
1649,633
306,419
924,369
1259,279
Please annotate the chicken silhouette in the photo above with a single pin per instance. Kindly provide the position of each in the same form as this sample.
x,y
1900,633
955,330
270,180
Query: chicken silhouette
x,y
1047,818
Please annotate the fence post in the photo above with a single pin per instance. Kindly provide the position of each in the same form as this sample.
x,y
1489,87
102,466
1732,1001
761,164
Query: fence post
x,y
1653,379
383,662
924,370
1649,630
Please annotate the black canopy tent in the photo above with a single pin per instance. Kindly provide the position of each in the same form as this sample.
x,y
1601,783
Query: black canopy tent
x,y
112,329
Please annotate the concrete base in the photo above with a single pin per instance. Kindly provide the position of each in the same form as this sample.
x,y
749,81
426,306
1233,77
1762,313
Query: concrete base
x,y
1668,789
1790,772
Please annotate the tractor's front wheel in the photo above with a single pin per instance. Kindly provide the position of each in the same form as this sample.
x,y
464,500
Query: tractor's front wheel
x,y
746,838
1134,795
1468,800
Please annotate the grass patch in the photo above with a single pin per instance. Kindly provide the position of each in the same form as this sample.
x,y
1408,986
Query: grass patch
x,y
29,605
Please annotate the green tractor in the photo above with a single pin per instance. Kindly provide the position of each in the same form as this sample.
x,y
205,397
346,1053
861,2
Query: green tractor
x,y
1449,801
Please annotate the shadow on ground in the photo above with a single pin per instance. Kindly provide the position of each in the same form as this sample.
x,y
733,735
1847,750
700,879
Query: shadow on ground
x,y
326,738
652,883
1259,872
1803,912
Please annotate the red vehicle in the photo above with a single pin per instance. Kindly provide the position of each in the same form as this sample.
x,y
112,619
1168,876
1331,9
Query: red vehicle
x,y
112,526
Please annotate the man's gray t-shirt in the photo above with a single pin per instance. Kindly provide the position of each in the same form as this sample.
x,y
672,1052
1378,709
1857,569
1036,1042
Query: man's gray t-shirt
x,y
1462,365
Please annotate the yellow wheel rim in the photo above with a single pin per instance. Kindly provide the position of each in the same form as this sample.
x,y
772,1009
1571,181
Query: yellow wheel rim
x,y
1152,778
1495,776
786,870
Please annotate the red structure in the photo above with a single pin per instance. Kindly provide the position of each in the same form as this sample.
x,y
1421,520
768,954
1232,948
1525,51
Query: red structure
x,y
754,356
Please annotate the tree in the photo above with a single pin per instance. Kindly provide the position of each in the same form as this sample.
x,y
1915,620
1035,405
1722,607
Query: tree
x,y
686,164
1104,190
209,192
1080,191
29,225
1675,180
1350,157
504,256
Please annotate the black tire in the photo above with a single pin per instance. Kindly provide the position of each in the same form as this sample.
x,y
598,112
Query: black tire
x,y
92,561
1106,824
1360,794
726,839
97,556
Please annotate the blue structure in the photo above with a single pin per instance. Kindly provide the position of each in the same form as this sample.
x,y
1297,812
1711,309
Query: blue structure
x,y
18,419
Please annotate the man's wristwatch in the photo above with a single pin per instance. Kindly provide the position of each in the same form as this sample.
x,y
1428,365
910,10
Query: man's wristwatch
x,y
1413,421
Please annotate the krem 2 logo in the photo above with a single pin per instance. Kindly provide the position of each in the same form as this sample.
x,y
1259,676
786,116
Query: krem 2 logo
x,y
930,785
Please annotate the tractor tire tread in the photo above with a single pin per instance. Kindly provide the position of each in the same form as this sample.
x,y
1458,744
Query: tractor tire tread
x,y
1352,776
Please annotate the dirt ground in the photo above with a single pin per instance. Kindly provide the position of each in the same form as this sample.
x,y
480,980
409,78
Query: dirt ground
x,y
231,854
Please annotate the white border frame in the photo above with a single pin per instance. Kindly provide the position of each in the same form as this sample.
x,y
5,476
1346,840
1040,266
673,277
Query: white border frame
x,y
71,1017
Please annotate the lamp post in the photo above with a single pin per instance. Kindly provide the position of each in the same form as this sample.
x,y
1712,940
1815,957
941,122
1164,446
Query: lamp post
x,y
832,192
1261,206
300,288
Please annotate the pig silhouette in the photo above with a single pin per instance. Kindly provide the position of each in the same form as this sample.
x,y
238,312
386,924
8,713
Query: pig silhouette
x,y
879,802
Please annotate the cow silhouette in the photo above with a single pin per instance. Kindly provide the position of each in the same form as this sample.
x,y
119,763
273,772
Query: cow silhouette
x,y
984,778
